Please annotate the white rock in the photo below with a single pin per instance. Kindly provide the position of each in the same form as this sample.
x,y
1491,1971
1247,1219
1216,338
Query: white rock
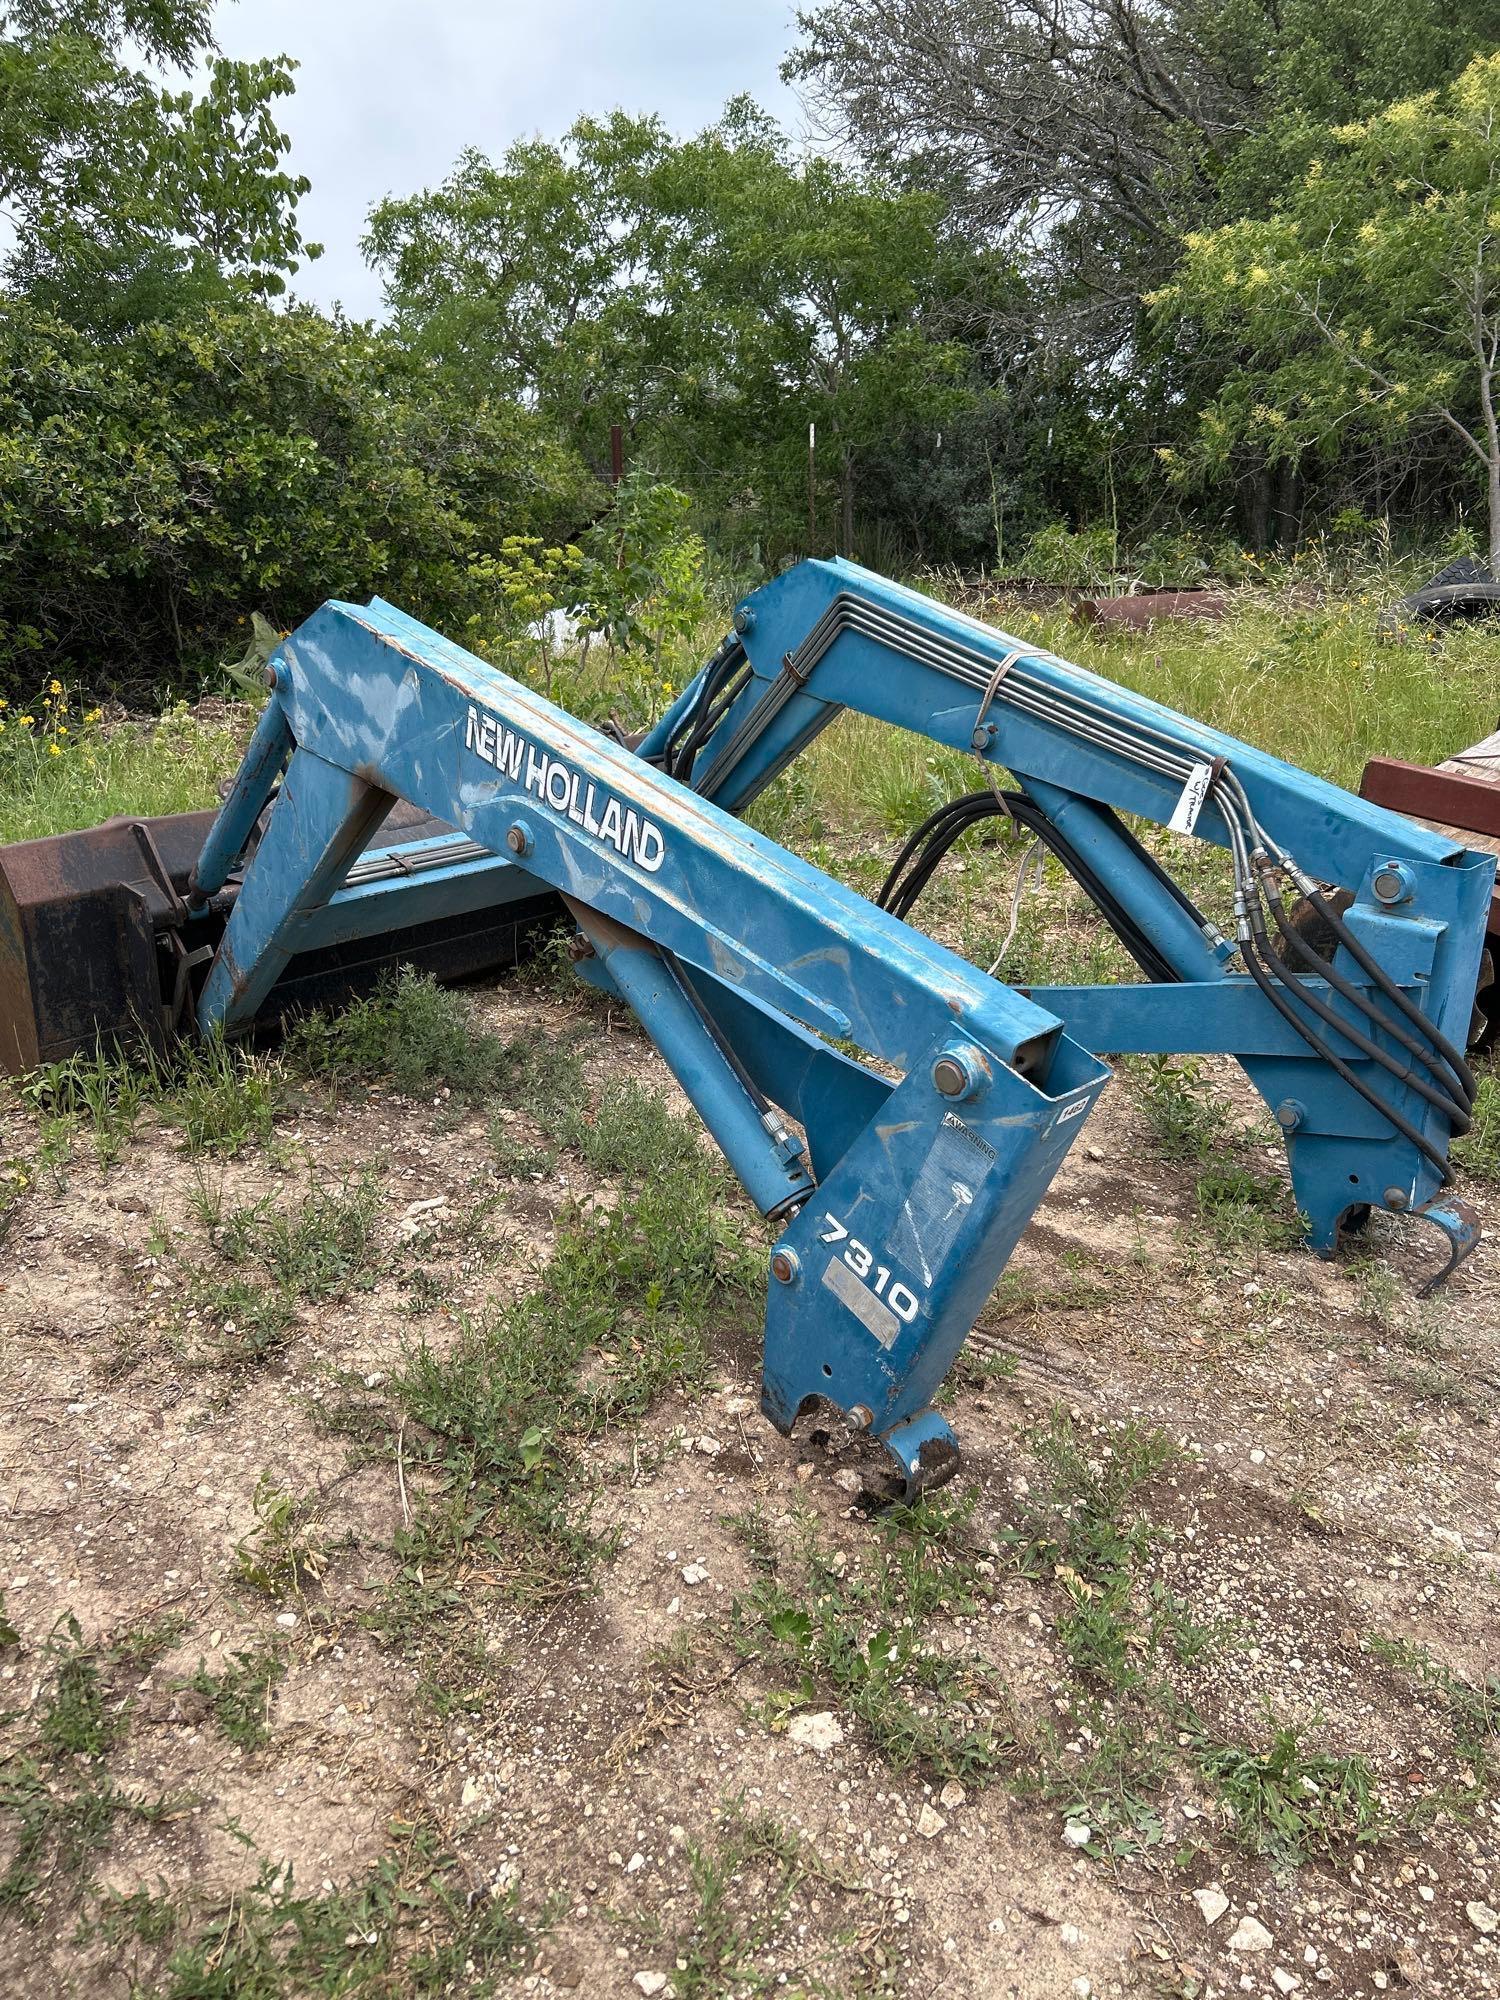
x,y
419,1214
473,1792
1482,1917
1077,1834
636,1862
695,1573
929,1823
709,1446
651,1982
952,1795
1212,1902
287,1620
816,1732
1250,1936
1284,1981
1082,1989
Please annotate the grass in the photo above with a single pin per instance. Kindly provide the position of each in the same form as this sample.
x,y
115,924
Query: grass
x,y
496,1415
269,1261
220,1097
1478,1152
56,1791
240,1698
856,1635
1289,1802
743,1883
1473,1706
142,769
419,1036
410,1925
1313,684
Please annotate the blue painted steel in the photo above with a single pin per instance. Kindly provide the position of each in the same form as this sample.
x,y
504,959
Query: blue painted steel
x,y
896,1253
829,636
767,1158
381,708
1132,883
745,963
1336,832
270,746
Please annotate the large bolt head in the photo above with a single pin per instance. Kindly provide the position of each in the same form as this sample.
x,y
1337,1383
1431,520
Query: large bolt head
x,y
953,1077
784,1266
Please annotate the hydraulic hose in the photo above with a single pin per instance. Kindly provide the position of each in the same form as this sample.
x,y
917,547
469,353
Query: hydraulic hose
x,y
1340,1068
1323,969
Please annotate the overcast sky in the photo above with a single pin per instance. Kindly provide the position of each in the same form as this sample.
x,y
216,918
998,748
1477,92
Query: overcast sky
x,y
389,92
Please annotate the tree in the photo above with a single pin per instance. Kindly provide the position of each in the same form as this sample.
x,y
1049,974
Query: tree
x,y
125,195
1092,134
1371,299
516,275
716,296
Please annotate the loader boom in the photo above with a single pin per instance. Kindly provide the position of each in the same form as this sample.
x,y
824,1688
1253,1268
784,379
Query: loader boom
x,y
904,1174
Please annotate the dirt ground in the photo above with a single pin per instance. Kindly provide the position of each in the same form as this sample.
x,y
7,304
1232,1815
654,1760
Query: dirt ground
x,y
613,1765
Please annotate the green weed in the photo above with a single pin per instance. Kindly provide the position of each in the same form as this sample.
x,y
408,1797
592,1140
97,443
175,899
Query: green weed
x,y
1110,1778
1289,1802
240,1698
287,1546
620,1313
1245,1210
100,1089
1084,1529
228,1323
744,1881
1474,1706
409,1926
221,1098
1188,1120
1478,1152
322,1249
15,1178
423,1039
57,1791
857,1636
169,766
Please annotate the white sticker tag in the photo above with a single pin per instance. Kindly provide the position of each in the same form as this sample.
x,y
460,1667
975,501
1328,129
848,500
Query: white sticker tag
x,y
1194,792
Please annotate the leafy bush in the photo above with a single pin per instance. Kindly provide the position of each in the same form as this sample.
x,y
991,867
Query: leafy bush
x,y
155,487
1065,555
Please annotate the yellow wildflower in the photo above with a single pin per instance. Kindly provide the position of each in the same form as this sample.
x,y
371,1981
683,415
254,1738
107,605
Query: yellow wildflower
x,y
53,751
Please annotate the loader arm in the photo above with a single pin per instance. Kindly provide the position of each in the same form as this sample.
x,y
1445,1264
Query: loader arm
x,y
1365,1127
744,964
902,1183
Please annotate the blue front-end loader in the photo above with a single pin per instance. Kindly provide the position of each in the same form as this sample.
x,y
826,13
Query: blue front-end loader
x,y
895,1111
